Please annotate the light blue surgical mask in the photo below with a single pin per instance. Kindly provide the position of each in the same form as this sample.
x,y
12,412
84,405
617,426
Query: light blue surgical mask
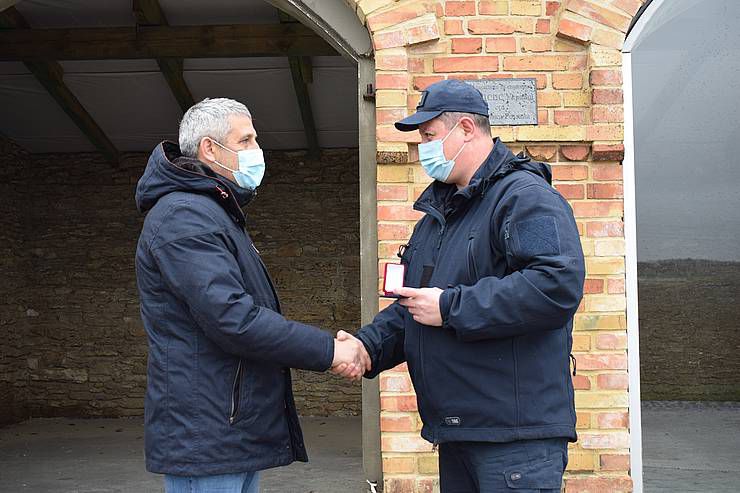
x,y
251,166
433,160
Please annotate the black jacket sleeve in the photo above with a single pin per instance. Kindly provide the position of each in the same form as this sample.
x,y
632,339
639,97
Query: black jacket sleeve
x,y
203,273
384,338
536,227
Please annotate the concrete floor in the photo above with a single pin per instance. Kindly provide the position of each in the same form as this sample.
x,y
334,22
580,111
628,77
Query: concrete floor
x,y
691,447
688,447
106,456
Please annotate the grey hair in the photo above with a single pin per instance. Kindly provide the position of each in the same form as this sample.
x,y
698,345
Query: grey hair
x,y
449,118
208,118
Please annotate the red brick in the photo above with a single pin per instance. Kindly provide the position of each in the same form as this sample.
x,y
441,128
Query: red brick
x,y
537,45
604,229
569,117
540,78
593,286
391,62
614,440
392,231
501,45
607,96
542,26
376,22
629,6
543,117
607,172
399,485
593,361
607,114
605,191
608,152
467,45
392,81
567,81
416,65
614,462
398,213
571,192
601,77
552,8
600,14
574,31
399,465
542,153
544,62
569,172
393,192
396,423
612,420
385,116
391,39
575,152
611,341
423,33
454,27
421,82
598,485
495,26
612,381
466,64
398,403
455,9
615,286
594,208
581,382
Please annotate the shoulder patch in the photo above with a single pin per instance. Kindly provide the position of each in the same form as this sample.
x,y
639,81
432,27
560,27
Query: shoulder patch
x,y
538,236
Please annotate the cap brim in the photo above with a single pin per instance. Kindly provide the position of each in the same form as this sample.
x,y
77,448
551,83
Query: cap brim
x,y
411,123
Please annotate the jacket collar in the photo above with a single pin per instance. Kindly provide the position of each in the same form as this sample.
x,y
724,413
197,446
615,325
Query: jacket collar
x,y
439,195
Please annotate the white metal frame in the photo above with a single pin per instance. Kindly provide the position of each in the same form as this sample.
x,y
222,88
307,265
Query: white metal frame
x,y
630,238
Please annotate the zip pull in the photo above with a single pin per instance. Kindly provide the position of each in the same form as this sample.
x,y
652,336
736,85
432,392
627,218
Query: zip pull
x,y
573,358
435,446
441,233
224,194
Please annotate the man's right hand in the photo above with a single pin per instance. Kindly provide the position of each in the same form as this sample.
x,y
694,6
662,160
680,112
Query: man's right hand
x,y
350,357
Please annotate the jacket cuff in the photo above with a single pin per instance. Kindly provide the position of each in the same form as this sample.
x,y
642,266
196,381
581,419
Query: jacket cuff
x,y
370,351
445,302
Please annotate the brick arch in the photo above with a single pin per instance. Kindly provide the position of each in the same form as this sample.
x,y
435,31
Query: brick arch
x,y
603,23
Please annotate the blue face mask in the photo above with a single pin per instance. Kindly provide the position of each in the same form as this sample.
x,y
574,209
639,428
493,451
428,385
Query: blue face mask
x,y
251,167
433,160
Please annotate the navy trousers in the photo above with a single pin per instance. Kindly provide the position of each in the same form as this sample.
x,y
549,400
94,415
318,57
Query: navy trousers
x,y
527,466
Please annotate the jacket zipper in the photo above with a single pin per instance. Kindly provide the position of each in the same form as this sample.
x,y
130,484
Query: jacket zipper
x,y
235,394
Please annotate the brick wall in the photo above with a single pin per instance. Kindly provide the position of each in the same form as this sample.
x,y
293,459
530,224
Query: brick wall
x,y
72,341
572,49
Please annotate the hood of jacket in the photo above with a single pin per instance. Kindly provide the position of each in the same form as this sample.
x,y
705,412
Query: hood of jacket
x,y
499,163
169,171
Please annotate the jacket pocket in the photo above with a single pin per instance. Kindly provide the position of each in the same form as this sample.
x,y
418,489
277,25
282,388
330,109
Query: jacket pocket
x,y
536,475
234,414
472,266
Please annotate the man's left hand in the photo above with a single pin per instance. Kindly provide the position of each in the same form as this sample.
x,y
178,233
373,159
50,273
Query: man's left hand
x,y
423,304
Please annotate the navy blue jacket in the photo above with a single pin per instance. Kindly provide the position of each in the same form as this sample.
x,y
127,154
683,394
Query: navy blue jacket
x,y
219,397
506,251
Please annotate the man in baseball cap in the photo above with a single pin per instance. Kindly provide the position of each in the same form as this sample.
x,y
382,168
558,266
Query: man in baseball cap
x,y
494,275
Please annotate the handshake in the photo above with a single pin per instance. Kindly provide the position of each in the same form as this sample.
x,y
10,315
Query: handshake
x,y
350,357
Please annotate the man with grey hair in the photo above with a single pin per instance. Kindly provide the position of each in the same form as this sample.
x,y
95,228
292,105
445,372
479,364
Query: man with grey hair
x,y
219,404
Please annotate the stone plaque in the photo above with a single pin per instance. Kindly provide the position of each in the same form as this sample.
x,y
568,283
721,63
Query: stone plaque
x,y
510,101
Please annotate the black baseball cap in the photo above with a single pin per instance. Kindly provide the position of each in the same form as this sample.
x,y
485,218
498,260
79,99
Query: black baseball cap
x,y
445,95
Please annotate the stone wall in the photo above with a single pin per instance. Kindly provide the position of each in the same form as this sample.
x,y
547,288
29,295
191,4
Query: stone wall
x,y
73,343
13,283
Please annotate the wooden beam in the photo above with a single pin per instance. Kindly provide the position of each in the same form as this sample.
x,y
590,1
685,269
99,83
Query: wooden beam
x,y
162,42
301,71
149,13
51,76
